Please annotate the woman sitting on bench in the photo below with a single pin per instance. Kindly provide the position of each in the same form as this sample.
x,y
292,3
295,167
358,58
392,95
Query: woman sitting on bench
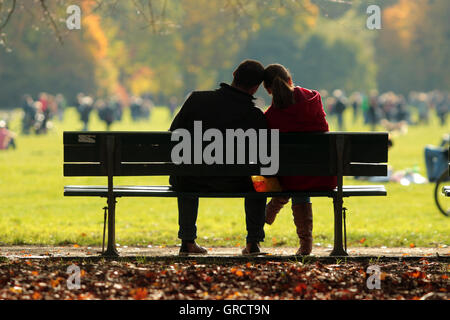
x,y
295,109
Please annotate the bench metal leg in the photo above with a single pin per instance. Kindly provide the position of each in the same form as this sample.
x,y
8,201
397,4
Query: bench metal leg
x,y
338,201
338,249
111,250
105,217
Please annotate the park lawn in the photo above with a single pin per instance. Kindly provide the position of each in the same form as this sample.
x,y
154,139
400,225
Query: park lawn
x,y
33,209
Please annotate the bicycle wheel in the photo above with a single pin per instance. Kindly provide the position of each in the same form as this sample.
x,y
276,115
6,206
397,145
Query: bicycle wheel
x,y
442,202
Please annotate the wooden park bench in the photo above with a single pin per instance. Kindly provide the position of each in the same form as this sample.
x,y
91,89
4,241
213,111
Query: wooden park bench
x,y
114,154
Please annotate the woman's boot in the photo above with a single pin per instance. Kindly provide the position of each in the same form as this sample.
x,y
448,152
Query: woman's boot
x,y
273,207
303,220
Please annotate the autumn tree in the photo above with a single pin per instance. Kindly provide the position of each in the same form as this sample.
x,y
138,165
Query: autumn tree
x,y
413,47
32,60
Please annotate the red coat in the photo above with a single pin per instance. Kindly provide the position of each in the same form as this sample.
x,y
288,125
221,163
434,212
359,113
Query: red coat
x,y
306,115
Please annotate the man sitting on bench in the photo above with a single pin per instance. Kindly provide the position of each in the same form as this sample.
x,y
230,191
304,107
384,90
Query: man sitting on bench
x,y
229,107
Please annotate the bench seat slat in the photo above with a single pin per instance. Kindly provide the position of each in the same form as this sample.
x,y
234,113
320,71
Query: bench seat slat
x,y
167,191
164,169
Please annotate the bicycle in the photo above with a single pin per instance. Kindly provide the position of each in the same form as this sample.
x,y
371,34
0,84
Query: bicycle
x,y
442,202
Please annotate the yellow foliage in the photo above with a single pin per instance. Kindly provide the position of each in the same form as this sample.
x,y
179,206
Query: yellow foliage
x,y
142,81
92,23
402,19
106,71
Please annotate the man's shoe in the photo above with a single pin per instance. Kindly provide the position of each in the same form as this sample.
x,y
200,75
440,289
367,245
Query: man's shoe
x,y
252,248
190,247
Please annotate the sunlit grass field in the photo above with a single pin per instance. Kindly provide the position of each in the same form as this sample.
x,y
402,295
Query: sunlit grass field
x,y
33,209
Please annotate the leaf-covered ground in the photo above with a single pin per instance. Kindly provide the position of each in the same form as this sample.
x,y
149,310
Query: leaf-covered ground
x,y
47,279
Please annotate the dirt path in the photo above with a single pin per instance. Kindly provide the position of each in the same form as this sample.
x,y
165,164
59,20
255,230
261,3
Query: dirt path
x,y
12,252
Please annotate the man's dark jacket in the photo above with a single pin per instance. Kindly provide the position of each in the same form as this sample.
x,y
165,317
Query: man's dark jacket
x,y
224,108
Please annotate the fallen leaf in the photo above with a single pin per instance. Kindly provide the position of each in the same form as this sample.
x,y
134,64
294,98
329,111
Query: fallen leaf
x,y
36,296
54,282
300,288
239,273
139,293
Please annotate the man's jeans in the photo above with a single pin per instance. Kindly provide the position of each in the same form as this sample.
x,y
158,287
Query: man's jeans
x,y
254,218
436,162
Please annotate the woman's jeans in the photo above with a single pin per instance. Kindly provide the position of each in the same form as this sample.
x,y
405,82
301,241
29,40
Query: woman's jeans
x,y
300,200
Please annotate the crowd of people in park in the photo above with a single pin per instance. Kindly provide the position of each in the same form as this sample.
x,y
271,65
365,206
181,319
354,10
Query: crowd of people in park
x,y
111,109
390,110
37,114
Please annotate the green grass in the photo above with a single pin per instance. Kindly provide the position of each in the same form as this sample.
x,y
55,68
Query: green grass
x,y
34,211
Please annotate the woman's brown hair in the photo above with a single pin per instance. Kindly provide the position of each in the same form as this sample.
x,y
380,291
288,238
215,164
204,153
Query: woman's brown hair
x,y
277,78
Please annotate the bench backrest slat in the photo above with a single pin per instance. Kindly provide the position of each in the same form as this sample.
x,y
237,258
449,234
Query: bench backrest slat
x,y
148,153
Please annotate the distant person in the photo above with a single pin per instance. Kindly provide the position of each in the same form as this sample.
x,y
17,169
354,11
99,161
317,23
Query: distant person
x,y
442,106
295,109
339,108
61,106
356,102
147,107
85,106
136,108
173,105
388,105
45,101
116,105
402,112
372,110
40,120
106,112
7,137
29,114
422,107
364,107
436,158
